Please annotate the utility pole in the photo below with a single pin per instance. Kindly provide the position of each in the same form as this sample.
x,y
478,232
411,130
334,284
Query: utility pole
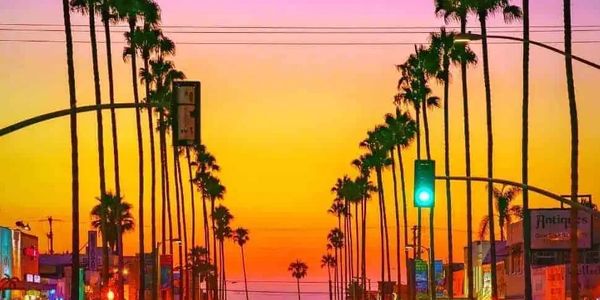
x,y
51,235
413,287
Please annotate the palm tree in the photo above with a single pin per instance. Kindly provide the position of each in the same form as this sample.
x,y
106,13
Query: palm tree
x,y
201,268
109,216
180,213
132,10
74,150
503,197
329,262
213,190
205,164
525,151
402,128
448,52
365,187
241,237
222,218
299,270
484,8
336,240
90,7
457,10
574,145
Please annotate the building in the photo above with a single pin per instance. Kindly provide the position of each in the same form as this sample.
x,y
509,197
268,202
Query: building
x,y
550,255
19,263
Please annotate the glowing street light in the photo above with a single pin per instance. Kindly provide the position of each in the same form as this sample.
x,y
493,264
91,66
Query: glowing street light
x,y
110,295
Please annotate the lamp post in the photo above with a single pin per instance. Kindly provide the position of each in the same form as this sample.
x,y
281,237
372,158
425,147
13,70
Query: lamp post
x,y
156,271
430,271
468,37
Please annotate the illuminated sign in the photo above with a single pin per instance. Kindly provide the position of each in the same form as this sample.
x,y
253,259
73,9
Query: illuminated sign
x,y
31,252
186,110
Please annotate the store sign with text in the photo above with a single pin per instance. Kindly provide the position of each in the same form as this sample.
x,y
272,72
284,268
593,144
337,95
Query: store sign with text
x,y
551,229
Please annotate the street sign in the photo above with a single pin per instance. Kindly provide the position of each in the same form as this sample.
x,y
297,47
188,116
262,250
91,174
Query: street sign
x,y
551,229
424,183
186,113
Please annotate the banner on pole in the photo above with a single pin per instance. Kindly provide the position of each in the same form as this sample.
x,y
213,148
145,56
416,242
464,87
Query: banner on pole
x,y
186,113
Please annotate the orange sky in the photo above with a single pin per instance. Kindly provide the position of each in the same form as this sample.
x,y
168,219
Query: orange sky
x,y
284,121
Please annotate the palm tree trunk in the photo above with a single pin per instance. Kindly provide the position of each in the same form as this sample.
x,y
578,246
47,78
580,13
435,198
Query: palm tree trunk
x,y
178,219
525,154
246,277
419,218
329,277
74,152
465,94
490,151
185,240
574,147
432,254
153,182
404,212
214,236
193,202
298,285
336,277
205,222
138,124
426,128
397,214
446,66
357,239
364,246
106,23
163,184
224,285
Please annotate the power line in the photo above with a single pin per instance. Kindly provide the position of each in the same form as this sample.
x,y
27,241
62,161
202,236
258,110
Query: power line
x,y
301,27
290,32
289,43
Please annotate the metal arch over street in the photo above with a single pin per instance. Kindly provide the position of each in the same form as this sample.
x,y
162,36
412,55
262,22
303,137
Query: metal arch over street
x,y
66,112
523,186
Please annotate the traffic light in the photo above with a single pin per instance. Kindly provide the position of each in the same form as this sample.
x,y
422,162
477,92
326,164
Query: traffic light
x,y
424,183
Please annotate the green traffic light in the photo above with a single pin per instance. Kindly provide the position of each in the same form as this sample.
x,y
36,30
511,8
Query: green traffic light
x,y
424,183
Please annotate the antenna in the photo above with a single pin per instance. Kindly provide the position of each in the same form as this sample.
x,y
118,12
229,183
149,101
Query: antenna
x,y
50,234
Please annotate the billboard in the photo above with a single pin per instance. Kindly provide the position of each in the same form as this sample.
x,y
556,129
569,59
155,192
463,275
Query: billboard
x,y
166,271
6,266
421,279
186,113
550,229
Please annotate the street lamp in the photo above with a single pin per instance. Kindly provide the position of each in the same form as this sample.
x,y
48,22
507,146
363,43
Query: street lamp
x,y
468,37
23,226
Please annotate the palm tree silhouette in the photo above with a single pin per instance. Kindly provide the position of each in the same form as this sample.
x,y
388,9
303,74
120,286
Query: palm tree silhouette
x,y
448,52
402,128
483,9
299,270
214,190
457,10
200,266
336,240
110,215
222,218
132,10
205,164
574,145
328,261
340,208
241,237
503,197
365,187
74,150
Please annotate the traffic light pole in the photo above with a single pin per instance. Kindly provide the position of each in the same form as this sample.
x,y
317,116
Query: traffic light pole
x,y
530,188
66,112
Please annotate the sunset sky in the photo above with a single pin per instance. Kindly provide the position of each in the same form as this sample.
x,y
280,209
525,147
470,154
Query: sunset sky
x,y
285,121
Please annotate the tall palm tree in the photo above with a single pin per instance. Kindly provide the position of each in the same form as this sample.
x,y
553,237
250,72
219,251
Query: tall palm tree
x,y
109,216
376,159
328,261
483,9
180,218
336,240
449,52
574,145
132,10
457,10
525,152
503,197
214,190
205,164
402,128
90,7
299,270
200,266
241,237
74,150
222,231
